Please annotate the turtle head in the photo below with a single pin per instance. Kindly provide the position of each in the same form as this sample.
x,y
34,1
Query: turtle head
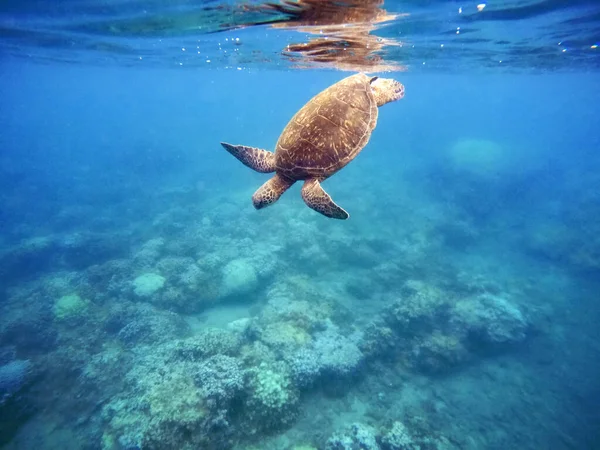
x,y
386,90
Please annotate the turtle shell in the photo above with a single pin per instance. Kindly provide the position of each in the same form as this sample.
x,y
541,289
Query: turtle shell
x,y
329,131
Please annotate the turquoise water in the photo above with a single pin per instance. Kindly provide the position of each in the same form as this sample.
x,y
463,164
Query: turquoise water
x,y
145,303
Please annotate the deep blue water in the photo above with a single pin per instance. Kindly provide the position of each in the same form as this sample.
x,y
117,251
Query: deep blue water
x,y
144,302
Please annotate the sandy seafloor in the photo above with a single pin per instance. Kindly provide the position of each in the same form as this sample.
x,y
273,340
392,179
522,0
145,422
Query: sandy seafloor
x,y
145,304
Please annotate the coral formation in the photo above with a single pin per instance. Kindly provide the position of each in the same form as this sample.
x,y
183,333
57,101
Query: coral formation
x,y
147,284
69,306
174,400
238,277
398,438
491,319
272,397
355,436
433,331
221,378
330,354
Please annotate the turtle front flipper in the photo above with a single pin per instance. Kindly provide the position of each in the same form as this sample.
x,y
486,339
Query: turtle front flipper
x,y
260,160
270,192
319,200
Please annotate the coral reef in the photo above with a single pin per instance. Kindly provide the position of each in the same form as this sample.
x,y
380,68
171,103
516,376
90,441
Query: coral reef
x,y
144,324
354,437
148,284
329,354
398,438
490,319
434,331
221,379
414,436
70,306
238,278
272,397
173,400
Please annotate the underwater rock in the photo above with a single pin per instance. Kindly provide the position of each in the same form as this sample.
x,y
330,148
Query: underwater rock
x,y
355,437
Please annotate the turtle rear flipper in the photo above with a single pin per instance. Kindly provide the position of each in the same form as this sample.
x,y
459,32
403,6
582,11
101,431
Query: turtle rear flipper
x,y
319,200
260,160
270,192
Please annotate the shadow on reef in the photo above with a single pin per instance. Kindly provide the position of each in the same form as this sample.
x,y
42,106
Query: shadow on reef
x,y
75,251
16,379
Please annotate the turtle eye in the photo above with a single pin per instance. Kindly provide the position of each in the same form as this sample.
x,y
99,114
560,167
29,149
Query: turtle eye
x,y
372,79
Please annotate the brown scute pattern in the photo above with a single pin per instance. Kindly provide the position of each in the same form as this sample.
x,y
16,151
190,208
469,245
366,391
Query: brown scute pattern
x,y
329,131
319,200
270,192
304,115
356,95
318,151
260,160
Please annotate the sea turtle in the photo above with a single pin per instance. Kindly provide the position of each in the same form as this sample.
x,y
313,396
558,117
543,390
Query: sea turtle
x,y
324,136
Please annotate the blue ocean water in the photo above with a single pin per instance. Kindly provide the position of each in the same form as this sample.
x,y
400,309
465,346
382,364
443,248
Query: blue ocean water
x,y
145,303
